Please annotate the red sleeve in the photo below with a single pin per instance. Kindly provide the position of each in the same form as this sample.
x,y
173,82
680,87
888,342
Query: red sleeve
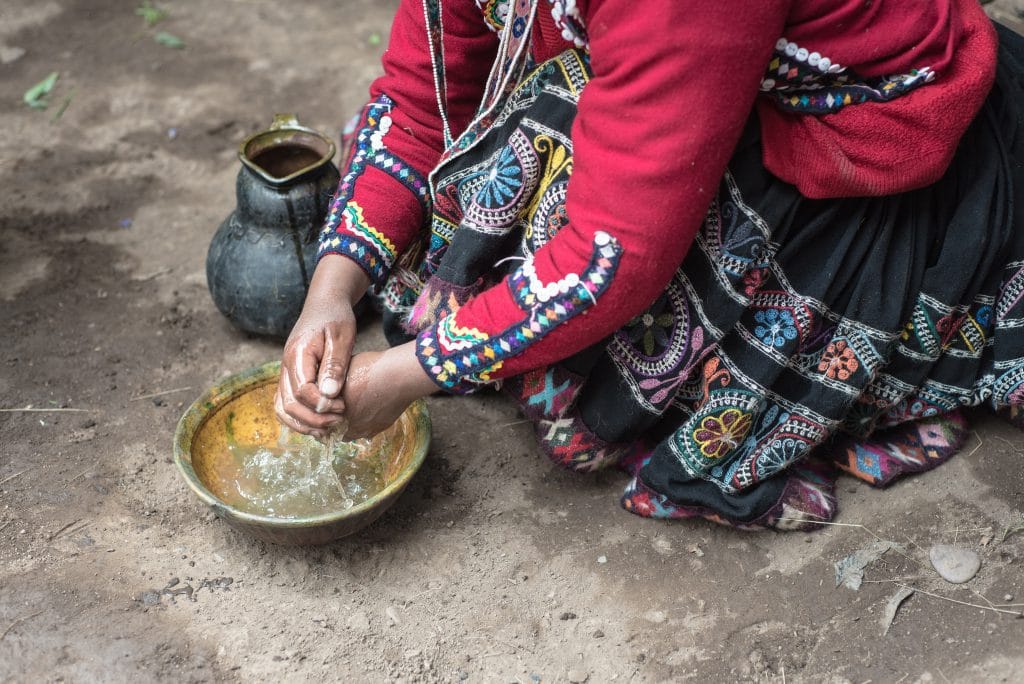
x,y
382,201
673,85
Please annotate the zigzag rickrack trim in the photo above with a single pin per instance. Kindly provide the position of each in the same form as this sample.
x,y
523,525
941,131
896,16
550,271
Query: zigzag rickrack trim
x,y
460,359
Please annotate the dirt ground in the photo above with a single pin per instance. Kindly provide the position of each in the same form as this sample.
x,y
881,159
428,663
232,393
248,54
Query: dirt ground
x,y
494,565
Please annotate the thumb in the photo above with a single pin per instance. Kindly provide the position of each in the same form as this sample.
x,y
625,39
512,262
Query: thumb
x,y
333,365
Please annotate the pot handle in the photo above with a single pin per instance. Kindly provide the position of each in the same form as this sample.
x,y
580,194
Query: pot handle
x,y
284,121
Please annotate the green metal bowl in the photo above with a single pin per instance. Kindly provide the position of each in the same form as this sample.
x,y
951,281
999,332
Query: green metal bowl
x,y
247,401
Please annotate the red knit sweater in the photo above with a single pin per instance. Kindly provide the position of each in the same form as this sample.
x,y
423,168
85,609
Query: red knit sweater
x,y
674,82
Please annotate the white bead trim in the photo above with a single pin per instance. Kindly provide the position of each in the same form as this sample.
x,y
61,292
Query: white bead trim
x,y
377,137
814,59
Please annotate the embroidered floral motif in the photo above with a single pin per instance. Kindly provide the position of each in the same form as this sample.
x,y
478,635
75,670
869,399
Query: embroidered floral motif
x,y
838,361
495,12
776,326
653,329
459,367
753,280
503,180
569,20
810,83
719,434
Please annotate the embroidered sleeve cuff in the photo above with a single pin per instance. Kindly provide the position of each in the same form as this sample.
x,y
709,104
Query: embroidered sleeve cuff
x,y
347,232
380,201
460,357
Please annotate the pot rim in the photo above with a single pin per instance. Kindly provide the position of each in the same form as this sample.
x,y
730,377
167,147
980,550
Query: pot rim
x,y
283,125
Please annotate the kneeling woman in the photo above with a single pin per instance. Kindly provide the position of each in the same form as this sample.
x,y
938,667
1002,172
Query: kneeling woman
x,y
730,252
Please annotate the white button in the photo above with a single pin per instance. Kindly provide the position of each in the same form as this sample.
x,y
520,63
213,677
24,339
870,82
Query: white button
x,y
791,49
814,58
801,54
543,296
572,280
824,63
781,44
602,238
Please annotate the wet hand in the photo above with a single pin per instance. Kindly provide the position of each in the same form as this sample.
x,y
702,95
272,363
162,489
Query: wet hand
x,y
316,356
380,386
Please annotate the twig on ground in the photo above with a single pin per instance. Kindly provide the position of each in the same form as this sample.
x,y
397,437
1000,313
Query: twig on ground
x,y
81,474
863,527
11,477
58,532
159,394
515,422
1006,442
17,622
962,603
981,443
151,276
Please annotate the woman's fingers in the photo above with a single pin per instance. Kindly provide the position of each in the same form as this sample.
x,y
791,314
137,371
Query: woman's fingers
x,y
319,362
338,342
296,415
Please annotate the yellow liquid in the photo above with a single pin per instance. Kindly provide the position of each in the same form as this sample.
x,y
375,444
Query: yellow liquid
x,y
300,477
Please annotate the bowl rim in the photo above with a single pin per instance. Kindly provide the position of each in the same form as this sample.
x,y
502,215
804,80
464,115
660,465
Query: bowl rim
x,y
233,386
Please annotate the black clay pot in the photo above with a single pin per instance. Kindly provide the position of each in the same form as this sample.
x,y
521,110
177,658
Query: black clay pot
x,y
262,257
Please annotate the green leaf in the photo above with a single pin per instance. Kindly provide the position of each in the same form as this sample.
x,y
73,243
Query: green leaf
x,y
168,40
37,97
150,14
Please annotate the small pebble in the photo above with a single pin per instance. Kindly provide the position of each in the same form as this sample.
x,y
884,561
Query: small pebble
x,y
955,565
655,616
578,676
567,616
10,54
598,634
602,559
1007,597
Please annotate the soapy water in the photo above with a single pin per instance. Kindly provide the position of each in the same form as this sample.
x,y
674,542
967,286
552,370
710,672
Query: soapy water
x,y
300,477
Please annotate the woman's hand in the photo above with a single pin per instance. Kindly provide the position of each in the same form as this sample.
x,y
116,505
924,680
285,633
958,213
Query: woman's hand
x,y
380,386
316,356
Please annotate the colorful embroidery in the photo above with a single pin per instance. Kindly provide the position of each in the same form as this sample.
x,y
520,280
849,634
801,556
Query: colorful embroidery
x,y
360,241
776,326
839,361
807,82
346,230
546,305
495,12
908,448
719,434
